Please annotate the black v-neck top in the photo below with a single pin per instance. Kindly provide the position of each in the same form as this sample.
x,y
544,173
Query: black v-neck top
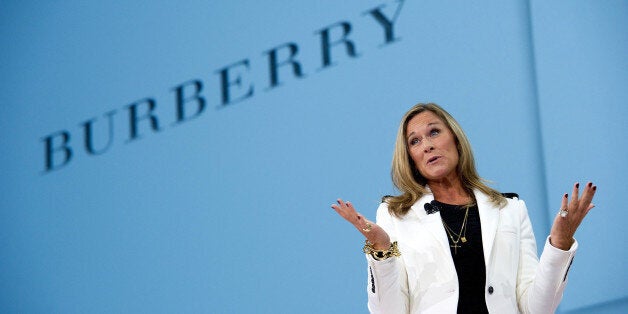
x,y
468,257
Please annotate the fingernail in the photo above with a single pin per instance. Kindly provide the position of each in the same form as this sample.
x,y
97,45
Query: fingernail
x,y
594,188
565,196
577,185
589,184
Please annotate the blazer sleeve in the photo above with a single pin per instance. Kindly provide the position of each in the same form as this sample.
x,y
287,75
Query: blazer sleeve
x,y
540,283
387,280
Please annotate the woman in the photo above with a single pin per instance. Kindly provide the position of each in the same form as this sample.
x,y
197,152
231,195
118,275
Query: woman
x,y
449,243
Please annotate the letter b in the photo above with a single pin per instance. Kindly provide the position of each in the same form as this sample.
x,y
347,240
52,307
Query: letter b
x,y
63,150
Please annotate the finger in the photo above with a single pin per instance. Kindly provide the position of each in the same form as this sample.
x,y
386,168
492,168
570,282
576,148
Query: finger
x,y
589,192
576,190
583,214
342,213
563,203
339,206
574,195
350,208
344,205
338,209
585,201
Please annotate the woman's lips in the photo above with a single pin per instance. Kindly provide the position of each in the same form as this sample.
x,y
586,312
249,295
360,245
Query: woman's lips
x,y
433,159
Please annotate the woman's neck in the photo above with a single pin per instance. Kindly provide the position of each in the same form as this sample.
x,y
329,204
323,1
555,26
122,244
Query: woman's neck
x,y
450,192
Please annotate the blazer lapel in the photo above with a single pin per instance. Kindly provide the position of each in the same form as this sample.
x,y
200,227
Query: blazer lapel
x,y
489,219
431,222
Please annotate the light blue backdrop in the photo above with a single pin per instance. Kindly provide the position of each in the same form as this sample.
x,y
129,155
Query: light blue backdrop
x,y
227,210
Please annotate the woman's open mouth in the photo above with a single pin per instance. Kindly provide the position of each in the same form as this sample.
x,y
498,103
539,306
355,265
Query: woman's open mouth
x,y
433,159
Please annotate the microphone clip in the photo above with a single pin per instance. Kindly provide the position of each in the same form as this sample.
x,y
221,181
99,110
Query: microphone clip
x,y
430,208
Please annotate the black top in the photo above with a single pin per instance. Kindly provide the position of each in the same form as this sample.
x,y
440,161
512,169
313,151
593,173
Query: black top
x,y
468,257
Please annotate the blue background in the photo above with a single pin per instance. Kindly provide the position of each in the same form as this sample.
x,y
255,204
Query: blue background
x,y
229,211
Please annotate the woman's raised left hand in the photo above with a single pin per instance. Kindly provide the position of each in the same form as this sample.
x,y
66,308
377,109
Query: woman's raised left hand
x,y
565,226
373,233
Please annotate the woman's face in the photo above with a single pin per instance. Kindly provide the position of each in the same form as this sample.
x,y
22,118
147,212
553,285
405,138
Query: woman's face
x,y
432,146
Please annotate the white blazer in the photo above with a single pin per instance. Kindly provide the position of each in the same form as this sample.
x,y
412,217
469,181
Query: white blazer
x,y
424,280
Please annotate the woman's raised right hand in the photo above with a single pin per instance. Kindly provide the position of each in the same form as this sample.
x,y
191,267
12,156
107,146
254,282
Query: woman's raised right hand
x,y
374,233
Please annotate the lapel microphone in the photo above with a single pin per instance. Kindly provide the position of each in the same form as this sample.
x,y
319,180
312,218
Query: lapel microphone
x,y
430,208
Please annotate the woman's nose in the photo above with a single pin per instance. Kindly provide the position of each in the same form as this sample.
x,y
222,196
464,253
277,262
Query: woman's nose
x,y
428,147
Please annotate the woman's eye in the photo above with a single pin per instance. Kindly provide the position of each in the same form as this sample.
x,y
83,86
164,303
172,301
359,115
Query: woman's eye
x,y
414,141
434,132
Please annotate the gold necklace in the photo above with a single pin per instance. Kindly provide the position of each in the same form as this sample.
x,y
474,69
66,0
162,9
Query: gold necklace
x,y
461,235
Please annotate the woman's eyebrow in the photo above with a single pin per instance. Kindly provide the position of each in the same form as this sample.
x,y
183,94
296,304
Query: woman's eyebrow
x,y
427,126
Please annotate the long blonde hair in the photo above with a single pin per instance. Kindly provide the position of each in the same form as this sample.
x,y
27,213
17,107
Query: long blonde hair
x,y
409,181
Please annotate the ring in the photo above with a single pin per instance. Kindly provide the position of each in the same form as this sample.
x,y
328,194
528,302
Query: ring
x,y
368,227
563,212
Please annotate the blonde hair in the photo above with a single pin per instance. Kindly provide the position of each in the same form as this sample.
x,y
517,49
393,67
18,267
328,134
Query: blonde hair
x,y
409,181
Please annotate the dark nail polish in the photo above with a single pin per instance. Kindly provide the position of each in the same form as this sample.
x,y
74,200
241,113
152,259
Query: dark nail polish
x,y
577,185
566,195
590,184
594,188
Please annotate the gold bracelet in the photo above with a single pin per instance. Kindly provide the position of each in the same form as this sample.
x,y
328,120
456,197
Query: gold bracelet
x,y
378,255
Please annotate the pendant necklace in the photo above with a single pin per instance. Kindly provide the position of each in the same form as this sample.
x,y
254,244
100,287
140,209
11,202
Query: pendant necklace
x,y
461,236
